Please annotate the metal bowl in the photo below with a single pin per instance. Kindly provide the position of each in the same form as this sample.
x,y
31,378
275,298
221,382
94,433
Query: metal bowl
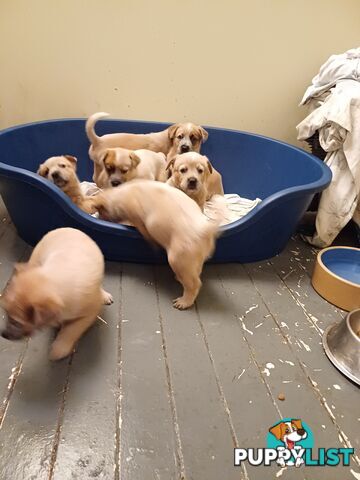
x,y
342,345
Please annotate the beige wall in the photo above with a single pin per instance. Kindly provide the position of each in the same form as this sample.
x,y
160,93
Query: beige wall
x,y
231,63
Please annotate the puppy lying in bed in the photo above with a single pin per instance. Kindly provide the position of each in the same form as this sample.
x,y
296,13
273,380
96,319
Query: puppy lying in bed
x,y
179,138
62,172
60,286
168,217
121,165
194,175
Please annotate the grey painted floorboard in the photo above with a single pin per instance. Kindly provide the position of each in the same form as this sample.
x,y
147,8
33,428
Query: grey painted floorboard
x,y
158,394
205,436
148,443
88,430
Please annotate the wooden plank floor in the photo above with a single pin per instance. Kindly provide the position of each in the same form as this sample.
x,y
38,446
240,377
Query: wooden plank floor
x,y
156,394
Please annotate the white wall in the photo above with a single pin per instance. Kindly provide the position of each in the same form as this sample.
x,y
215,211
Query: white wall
x,y
230,63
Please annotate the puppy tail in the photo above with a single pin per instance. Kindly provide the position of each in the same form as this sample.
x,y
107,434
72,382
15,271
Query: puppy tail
x,y
90,126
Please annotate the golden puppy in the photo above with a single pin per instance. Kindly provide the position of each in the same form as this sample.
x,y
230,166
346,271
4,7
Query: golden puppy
x,y
62,172
186,137
121,165
194,175
60,286
179,138
168,217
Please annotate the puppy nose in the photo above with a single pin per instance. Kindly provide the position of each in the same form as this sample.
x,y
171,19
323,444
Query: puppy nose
x,y
301,432
115,183
185,148
55,175
192,181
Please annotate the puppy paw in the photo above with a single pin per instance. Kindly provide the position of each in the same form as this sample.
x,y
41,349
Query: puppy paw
x,y
107,298
181,304
60,350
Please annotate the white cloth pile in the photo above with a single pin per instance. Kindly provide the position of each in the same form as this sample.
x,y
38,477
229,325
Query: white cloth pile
x,y
334,101
229,208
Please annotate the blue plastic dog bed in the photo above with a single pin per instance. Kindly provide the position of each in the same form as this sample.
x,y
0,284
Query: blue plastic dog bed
x,y
284,177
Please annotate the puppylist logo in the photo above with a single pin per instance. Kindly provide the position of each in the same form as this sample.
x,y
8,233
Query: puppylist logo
x,y
290,442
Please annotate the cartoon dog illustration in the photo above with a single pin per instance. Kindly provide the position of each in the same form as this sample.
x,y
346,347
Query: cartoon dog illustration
x,y
289,433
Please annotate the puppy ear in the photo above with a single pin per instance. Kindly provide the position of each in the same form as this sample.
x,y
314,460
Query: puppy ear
x,y
297,423
172,130
209,166
135,159
42,170
108,157
71,159
276,431
170,163
204,134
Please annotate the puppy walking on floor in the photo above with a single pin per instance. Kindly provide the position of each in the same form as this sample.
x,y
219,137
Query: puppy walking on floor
x,y
60,286
168,217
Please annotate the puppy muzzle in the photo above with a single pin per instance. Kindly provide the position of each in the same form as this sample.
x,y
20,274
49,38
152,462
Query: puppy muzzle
x,y
185,148
115,183
192,183
58,179
14,331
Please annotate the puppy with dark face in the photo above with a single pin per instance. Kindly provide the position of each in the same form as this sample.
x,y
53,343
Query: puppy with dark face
x,y
122,165
194,175
60,286
189,173
186,137
62,172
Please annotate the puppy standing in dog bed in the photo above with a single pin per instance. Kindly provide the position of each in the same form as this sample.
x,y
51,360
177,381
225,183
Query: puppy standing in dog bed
x,y
194,175
166,216
122,165
179,138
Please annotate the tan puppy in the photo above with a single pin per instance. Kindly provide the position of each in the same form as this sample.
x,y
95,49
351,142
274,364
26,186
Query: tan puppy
x,y
62,172
186,137
175,139
194,175
166,216
122,165
60,286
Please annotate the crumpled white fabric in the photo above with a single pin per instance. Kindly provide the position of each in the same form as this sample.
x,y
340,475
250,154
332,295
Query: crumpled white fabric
x,y
229,208
337,67
338,123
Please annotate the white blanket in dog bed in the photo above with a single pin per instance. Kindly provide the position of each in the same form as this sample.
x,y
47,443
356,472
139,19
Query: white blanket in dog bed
x,y
229,208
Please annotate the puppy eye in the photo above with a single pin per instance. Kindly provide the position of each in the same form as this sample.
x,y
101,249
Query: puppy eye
x,y
193,138
180,136
62,165
183,170
200,170
110,169
46,172
287,431
124,170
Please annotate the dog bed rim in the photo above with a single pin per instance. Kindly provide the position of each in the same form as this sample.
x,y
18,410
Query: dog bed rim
x,y
70,208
